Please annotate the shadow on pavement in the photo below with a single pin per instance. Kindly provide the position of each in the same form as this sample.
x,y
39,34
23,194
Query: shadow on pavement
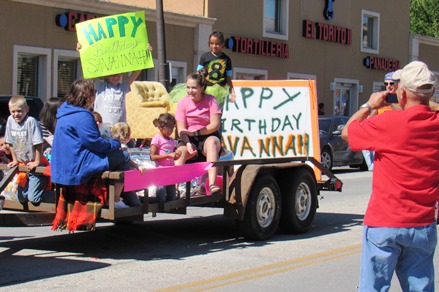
x,y
30,259
338,170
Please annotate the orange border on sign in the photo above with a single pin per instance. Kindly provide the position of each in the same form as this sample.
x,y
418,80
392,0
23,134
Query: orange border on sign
x,y
311,84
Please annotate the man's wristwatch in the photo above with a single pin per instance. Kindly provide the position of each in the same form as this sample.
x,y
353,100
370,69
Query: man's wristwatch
x,y
366,105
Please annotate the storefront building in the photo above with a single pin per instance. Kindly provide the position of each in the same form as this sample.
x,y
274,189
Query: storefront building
x,y
38,54
346,45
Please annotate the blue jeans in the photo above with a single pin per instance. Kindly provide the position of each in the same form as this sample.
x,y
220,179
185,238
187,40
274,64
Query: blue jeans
x,y
119,160
407,251
164,194
131,199
33,191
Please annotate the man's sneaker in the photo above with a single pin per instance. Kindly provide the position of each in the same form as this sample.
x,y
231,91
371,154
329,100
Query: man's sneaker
x,y
120,205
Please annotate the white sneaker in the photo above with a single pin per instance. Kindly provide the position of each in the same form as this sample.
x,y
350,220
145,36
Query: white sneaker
x,y
120,205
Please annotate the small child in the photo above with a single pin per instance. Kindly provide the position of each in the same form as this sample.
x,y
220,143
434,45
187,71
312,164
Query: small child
x,y
5,151
219,69
98,118
162,153
111,93
5,154
25,140
104,129
121,131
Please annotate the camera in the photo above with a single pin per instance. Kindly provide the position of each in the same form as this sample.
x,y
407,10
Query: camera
x,y
391,98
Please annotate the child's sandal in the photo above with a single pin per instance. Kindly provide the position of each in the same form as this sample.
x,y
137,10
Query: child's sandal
x,y
214,189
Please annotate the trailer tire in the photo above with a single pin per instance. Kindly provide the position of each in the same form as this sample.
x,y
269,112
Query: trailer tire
x,y
299,202
262,212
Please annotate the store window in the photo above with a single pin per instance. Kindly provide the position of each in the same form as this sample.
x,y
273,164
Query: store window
x,y
178,73
31,71
27,75
249,74
147,75
66,75
67,68
276,19
345,96
370,31
342,97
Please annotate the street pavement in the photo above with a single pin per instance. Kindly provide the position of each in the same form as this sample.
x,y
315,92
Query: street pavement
x,y
200,251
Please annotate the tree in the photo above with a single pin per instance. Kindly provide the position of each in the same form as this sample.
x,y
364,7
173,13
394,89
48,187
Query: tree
x,y
424,17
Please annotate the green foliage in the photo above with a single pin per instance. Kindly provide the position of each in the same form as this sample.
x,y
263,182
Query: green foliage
x,y
424,17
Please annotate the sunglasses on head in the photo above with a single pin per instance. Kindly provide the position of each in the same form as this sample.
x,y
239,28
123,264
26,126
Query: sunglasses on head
x,y
389,83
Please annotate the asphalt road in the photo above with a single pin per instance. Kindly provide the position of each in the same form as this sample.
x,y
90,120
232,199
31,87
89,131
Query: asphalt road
x,y
201,251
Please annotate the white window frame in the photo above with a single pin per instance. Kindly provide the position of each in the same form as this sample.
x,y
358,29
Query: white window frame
x,y
57,54
44,72
251,71
284,25
376,31
301,76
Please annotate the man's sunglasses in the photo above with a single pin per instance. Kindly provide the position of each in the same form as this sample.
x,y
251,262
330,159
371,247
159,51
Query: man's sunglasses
x,y
389,83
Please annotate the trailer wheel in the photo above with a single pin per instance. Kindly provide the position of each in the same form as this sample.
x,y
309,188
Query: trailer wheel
x,y
262,212
299,196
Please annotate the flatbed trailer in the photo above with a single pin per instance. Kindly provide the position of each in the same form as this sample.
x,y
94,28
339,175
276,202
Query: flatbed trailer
x,y
261,195
274,178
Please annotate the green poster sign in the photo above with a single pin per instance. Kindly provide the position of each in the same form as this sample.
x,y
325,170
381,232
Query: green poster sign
x,y
114,44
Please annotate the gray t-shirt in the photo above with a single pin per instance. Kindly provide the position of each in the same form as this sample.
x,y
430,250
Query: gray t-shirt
x,y
110,101
23,137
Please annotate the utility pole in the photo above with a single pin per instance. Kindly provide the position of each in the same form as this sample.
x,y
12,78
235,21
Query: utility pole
x,y
164,73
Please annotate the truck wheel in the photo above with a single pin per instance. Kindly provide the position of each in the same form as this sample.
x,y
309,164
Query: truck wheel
x,y
299,197
262,212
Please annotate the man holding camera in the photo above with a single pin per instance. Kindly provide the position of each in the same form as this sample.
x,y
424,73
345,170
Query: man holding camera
x,y
400,222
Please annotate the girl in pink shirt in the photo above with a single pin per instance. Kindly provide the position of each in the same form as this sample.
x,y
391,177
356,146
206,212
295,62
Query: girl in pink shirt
x,y
163,154
198,118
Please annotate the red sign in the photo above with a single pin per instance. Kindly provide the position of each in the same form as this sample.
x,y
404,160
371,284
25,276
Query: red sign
x,y
69,19
257,47
327,32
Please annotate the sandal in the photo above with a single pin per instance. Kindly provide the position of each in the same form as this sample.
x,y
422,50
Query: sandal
x,y
214,189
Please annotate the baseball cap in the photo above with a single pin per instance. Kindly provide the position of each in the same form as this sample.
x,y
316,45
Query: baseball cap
x,y
397,73
388,76
414,75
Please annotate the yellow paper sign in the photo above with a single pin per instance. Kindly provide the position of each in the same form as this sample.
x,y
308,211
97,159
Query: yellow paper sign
x,y
114,44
